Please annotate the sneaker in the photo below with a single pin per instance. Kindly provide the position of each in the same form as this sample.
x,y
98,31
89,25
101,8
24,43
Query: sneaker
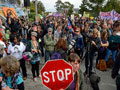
x,y
24,78
35,79
39,76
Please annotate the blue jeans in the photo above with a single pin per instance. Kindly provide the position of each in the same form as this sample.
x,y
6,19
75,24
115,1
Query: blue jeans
x,y
48,54
109,53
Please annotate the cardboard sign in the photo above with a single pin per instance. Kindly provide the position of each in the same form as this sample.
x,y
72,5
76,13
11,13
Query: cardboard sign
x,y
9,11
37,18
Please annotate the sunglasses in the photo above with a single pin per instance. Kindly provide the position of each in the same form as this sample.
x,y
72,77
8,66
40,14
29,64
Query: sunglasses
x,y
77,31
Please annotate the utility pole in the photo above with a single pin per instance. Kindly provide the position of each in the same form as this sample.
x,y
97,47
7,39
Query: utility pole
x,y
36,8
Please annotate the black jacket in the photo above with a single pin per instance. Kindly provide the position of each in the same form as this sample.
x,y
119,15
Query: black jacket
x,y
116,66
94,48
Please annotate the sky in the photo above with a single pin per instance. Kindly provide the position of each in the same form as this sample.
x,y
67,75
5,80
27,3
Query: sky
x,y
49,4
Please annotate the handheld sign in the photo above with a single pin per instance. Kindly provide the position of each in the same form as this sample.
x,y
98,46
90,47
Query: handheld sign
x,y
57,74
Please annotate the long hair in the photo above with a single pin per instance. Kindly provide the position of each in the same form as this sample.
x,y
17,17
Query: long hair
x,y
103,35
61,44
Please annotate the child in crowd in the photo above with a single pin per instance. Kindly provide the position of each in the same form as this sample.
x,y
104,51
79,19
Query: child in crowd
x,y
78,82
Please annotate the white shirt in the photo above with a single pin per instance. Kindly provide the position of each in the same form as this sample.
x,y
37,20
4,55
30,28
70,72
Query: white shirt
x,y
16,50
118,34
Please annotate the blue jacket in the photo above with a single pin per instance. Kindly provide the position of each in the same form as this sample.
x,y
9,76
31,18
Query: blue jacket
x,y
79,42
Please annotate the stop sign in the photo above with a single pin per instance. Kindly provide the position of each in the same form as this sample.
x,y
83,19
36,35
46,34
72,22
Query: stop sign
x,y
57,74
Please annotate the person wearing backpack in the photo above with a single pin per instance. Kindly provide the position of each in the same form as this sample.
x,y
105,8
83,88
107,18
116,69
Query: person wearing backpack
x,y
49,42
60,50
102,52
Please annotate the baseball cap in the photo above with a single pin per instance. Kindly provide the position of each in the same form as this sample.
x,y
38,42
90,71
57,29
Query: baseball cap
x,y
34,34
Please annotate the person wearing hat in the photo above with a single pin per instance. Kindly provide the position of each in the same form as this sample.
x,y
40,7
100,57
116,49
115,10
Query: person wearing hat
x,y
34,48
49,41
95,44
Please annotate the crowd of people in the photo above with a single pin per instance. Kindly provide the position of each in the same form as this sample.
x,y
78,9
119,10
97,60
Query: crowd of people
x,y
56,38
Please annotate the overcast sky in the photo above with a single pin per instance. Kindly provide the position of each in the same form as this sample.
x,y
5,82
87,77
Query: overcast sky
x,y
49,4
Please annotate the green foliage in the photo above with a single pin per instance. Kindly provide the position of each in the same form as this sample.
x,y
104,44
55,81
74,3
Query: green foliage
x,y
83,7
59,5
112,4
66,6
32,6
31,16
95,6
40,7
76,14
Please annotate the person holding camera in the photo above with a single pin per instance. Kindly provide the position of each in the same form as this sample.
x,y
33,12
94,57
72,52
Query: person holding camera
x,y
33,47
94,44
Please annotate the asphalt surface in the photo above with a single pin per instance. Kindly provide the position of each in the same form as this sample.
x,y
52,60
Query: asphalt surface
x,y
106,83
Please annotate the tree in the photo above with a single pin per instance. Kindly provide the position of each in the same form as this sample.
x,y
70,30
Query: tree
x,y
61,7
69,7
40,7
93,6
83,7
112,4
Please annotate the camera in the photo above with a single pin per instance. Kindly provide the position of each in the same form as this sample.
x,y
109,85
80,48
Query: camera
x,y
94,80
71,45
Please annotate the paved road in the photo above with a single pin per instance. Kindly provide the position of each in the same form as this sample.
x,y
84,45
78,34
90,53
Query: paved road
x,y
107,83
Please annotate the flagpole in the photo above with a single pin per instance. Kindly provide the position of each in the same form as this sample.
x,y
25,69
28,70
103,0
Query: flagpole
x,y
36,8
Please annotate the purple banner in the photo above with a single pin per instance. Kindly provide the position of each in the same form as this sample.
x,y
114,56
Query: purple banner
x,y
109,15
57,14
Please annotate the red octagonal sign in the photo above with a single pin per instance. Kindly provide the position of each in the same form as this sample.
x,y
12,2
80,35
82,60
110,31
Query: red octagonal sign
x,y
57,74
